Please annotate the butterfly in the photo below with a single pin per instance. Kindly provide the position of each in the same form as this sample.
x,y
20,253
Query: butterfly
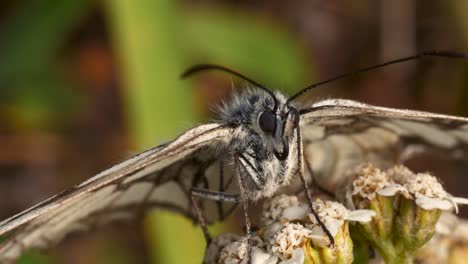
x,y
263,143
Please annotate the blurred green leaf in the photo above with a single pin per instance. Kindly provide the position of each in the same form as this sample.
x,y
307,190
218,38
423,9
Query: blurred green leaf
x,y
263,51
33,34
158,103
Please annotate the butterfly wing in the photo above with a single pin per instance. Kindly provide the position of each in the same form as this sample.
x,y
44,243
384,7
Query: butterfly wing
x,y
157,178
340,134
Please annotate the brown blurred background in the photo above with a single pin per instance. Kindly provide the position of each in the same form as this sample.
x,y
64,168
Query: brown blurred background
x,y
84,84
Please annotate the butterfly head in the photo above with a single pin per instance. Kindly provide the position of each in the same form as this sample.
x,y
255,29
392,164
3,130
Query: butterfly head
x,y
264,138
278,126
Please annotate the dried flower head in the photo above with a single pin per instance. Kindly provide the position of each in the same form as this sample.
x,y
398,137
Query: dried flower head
x,y
213,250
399,173
333,215
425,189
369,181
295,238
289,238
236,252
233,253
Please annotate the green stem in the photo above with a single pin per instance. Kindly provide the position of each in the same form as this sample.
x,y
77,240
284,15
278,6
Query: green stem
x,y
404,256
386,249
394,254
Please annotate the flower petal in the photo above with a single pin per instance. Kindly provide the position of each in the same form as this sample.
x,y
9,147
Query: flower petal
x,y
295,212
459,200
296,258
428,203
333,225
392,190
362,215
260,256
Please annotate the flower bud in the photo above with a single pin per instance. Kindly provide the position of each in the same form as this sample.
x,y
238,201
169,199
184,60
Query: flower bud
x,y
407,207
372,189
449,244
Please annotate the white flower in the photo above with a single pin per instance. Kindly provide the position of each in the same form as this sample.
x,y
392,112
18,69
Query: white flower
x,y
370,181
296,258
423,188
289,238
260,256
424,184
362,216
393,189
334,215
236,252
429,194
283,208
233,253
212,253
399,173
295,212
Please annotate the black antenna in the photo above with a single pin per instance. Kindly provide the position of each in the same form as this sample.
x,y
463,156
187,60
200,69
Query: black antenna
x,y
208,67
432,53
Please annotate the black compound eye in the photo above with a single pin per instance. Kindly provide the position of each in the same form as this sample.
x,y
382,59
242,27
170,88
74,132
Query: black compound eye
x,y
267,122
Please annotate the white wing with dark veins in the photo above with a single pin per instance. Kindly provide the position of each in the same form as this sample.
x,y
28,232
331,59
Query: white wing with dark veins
x,y
157,178
340,134
337,135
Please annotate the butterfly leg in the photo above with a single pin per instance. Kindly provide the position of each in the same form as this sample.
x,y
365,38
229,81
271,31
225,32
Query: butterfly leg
x,y
211,195
245,206
300,170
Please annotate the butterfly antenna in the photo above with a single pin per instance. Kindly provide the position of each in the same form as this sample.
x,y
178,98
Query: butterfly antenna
x,y
209,67
433,53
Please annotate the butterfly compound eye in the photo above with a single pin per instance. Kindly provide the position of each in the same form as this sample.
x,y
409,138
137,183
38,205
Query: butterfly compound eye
x,y
267,122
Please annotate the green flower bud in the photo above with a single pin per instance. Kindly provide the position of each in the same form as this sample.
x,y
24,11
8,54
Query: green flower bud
x,y
340,253
414,226
372,189
407,207
449,244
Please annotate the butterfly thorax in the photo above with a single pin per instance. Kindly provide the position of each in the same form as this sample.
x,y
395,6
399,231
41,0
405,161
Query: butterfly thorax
x,y
261,130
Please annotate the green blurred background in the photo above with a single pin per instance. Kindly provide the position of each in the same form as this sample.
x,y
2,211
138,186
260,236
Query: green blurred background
x,y
84,84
